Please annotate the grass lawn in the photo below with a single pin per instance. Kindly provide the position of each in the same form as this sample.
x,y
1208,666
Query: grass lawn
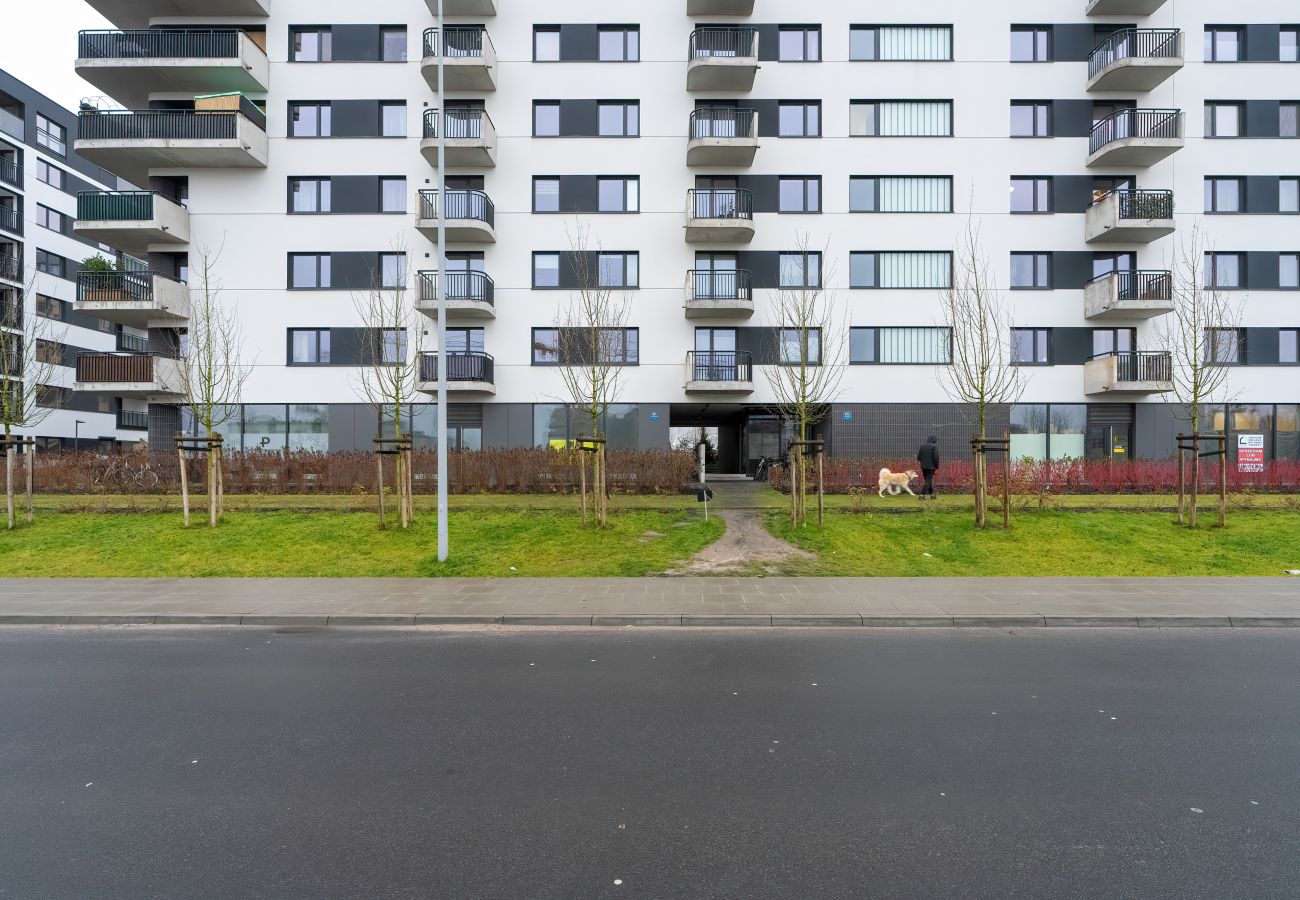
x,y
336,544
1103,542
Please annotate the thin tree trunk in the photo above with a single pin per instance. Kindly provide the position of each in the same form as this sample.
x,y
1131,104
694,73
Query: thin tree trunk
x,y
31,477
185,486
410,487
1182,475
1196,479
794,490
821,493
379,463
399,482
603,489
1006,482
9,481
582,482
212,487
1223,482
221,485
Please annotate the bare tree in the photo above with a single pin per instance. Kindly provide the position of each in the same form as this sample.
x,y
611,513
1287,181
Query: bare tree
x,y
591,346
1200,335
810,346
31,349
389,375
212,371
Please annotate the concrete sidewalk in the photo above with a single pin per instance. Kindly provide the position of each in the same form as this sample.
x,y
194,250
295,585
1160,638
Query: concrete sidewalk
x,y
1020,602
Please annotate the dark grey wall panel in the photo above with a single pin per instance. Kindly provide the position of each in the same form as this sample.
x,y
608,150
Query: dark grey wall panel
x,y
1261,271
769,42
353,270
1262,118
1155,429
763,265
1071,269
352,427
1071,193
1071,118
164,342
355,118
765,191
899,429
578,193
356,43
579,118
1262,43
652,426
1262,346
579,43
759,342
354,194
769,115
496,426
1070,346
164,425
1261,194
1073,42
347,346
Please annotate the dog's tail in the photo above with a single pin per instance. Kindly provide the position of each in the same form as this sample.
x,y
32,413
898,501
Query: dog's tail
x,y
884,472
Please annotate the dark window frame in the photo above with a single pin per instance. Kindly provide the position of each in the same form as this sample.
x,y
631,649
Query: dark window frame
x,y
1211,44
547,212
1211,271
806,106
624,30
547,29
815,358
805,30
1049,125
559,265
1047,286
1049,49
1046,182
1212,342
325,42
320,106
1212,119
317,286
816,284
625,180
547,104
626,106
1212,183
318,181
1042,338
318,332
805,180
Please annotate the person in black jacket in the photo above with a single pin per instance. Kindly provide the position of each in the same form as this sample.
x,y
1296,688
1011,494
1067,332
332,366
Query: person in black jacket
x,y
928,457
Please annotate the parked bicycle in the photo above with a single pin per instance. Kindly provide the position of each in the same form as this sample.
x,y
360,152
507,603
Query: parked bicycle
x,y
121,472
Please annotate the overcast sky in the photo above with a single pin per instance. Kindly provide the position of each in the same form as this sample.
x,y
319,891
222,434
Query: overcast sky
x,y
38,44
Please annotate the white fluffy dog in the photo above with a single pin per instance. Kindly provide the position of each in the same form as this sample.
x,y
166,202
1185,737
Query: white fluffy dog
x,y
896,482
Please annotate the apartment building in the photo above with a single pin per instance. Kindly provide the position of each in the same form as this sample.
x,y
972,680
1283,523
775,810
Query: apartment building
x,y
700,157
41,179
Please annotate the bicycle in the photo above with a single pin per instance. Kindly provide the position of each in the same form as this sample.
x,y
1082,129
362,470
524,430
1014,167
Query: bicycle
x,y
122,473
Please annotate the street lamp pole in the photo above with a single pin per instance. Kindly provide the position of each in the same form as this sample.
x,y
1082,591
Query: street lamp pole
x,y
441,291
76,434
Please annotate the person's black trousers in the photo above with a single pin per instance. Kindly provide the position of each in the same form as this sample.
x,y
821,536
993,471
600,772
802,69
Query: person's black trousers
x,y
928,487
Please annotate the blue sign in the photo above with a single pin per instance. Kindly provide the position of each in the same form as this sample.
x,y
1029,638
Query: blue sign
x,y
848,416
654,417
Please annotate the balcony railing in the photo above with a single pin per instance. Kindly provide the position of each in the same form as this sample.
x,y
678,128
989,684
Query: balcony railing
x,y
1141,285
725,43
1142,204
10,172
464,124
464,366
722,122
719,365
115,367
1136,123
136,287
1134,43
471,286
1141,365
11,266
460,205
457,40
708,284
167,124
11,220
159,44
132,420
721,204
115,206
132,343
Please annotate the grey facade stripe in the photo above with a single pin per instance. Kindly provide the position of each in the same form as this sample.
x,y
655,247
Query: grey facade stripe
x,y
765,191
1069,346
354,118
1263,43
1072,118
1075,41
1261,270
353,270
354,194
1071,269
1261,194
763,265
356,43
1262,346
769,115
579,43
579,118
1071,193
1262,118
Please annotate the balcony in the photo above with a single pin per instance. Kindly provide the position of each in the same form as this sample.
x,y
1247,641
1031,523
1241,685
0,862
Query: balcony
x,y
1128,295
11,174
470,137
137,13
470,217
469,295
11,220
722,136
722,217
469,61
11,267
137,299
722,59
1130,372
719,372
1130,217
129,143
131,220
719,7
712,294
464,7
132,420
137,376
1135,59
467,373
129,65
1123,7
1136,137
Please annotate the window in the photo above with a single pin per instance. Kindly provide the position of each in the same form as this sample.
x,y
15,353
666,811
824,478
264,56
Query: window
x,y
1113,340
546,118
1223,195
619,118
799,43
1029,346
312,45
800,346
392,195
1288,271
51,175
900,269
1222,44
890,43
465,340
1223,346
50,263
392,270
1031,43
900,346
49,218
392,119
1031,271
546,43
49,307
546,195
1031,118
546,346
49,352
309,195
1288,195
1288,48
1288,346
900,118
309,120
1031,195
800,194
309,346
1223,120
886,193
51,135
800,270
1223,270
546,270
618,346
392,44
309,270
619,43
617,270
1288,116
618,195
392,346
799,118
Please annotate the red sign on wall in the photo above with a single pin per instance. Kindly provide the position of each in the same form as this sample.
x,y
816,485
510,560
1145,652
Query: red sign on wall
x,y
1250,453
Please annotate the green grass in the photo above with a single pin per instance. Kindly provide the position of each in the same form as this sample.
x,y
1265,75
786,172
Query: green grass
x,y
1102,542
349,544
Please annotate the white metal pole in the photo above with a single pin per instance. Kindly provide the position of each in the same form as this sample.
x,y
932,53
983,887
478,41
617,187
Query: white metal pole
x,y
441,123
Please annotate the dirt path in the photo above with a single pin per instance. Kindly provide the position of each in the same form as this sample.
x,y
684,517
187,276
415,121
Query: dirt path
x,y
744,545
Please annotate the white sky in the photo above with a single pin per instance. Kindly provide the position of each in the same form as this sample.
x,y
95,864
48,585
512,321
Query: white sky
x,y
38,45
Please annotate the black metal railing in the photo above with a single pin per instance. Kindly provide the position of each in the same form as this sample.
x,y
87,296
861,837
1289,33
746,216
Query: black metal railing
x,y
10,172
475,286
1141,365
1136,123
463,366
130,287
721,204
723,122
115,206
132,420
457,40
11,219
460,205
719,365
1134,43
11,266
727,284
461,123
132,343
1136,284
167,124
724,42
1142,204
179,43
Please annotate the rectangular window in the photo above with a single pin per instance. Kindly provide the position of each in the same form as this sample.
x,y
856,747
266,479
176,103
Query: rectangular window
x,y
392,44
392,346
546,346
800,346
50,352
1031,195
546,270
619,346
1288,271
1113,340
800,194
1222,44
51,175
1223,120
309,120
1288,346
1224,270
465,340
309,346
50,263
309,195
799,118
1223,195
49,218
311,45
900,346
619,118
1288,120
392,271
1288,46
1031,271
619,43
546,43
546,118
309,270
392,195
800,270
893,43
1031,118
900,269
900,118
618,195
51,135
1029,346
799,43
1223,346
392,119
546,195
1288,195
902,193
617,270
1031,43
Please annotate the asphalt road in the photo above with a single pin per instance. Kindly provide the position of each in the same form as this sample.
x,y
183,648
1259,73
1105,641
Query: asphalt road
x,y
249,762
